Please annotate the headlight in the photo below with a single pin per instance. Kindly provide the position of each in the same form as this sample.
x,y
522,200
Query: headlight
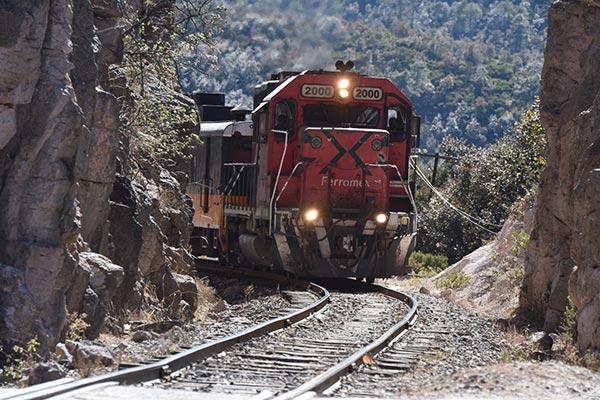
x,y
381,218
311,215
343,83
316,142
344,93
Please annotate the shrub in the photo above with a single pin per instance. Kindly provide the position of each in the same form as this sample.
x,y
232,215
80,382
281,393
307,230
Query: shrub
x,y
19,360
454,280
568,328
156,117
484,183
426,264
76,327
510,264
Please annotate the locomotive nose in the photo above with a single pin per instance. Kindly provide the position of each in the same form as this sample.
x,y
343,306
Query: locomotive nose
x,y
342,170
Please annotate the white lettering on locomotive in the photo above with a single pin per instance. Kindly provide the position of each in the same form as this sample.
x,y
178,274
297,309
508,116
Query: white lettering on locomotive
x,y
347,183
317,91
367,93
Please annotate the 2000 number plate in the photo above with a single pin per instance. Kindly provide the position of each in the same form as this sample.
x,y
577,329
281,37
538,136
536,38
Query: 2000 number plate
x,y
367,93
317,91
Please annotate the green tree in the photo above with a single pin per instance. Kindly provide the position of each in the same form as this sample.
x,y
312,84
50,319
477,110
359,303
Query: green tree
x,y
155,112
484,184
492,50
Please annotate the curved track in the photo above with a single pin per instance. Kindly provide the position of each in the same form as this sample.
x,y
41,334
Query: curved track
x,y
164,368
309,355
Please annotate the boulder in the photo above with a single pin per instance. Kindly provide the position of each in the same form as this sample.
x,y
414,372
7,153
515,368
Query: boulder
x,y
105,277
141,336
62,355
179,260
176,287
540,340
45,372
90,355
104,280
219,306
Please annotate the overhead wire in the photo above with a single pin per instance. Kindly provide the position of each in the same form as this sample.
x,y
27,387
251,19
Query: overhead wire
x,y
470,218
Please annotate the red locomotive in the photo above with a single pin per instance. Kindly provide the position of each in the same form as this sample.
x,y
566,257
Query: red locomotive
x,y
316,184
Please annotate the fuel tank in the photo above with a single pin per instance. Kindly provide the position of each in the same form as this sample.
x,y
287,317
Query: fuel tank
x,y
260,250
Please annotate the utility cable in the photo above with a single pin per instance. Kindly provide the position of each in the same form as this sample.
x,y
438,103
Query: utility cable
x,y
470,218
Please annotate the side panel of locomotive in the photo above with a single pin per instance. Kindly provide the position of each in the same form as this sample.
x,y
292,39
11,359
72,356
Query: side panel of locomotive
x,y
221,176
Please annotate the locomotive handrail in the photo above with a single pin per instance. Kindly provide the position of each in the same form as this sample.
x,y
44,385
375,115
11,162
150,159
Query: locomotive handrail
x,y
233,180
236,187
286,183
285,144
404,183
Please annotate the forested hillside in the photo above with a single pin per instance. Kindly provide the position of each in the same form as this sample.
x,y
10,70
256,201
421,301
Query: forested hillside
x,y
471,67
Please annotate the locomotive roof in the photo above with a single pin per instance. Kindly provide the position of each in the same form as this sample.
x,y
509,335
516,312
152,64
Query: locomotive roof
x,y
287,81
226,128
279,88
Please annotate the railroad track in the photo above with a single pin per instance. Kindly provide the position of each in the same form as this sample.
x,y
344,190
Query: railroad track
x,y
306,349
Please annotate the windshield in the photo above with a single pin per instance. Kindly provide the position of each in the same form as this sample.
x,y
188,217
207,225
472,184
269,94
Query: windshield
x,y
348,115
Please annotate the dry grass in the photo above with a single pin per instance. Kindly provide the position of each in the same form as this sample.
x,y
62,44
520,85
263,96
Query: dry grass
x,y
516,348
206,299
567,352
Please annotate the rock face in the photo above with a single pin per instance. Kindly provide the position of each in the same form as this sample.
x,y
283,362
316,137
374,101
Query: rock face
x,y
39,211
494,272
563,258
77,231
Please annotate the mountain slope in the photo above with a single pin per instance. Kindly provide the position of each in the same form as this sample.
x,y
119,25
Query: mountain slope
x,y
470,67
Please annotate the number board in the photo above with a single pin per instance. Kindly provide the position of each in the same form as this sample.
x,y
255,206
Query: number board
x,y
317,91
367,93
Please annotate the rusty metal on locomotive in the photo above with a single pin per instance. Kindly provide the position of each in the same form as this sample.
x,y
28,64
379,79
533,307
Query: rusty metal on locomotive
x,y
318,183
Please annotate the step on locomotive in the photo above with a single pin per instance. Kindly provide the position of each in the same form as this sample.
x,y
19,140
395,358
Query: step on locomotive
x,y
317,183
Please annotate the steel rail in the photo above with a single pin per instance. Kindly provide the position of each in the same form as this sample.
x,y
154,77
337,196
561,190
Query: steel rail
x,y
323,381
165,367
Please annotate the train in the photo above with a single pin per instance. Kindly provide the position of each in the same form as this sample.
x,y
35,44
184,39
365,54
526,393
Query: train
x,y
315,180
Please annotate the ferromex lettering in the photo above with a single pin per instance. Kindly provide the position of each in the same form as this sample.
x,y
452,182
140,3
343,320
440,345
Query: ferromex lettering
x,y
349,183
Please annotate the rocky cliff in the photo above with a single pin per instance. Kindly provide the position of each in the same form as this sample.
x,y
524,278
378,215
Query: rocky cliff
x,y
488,279
80,231
563,258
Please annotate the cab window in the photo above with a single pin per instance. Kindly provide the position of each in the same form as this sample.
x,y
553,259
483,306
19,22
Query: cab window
x,y
397,123
349,115
284,116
